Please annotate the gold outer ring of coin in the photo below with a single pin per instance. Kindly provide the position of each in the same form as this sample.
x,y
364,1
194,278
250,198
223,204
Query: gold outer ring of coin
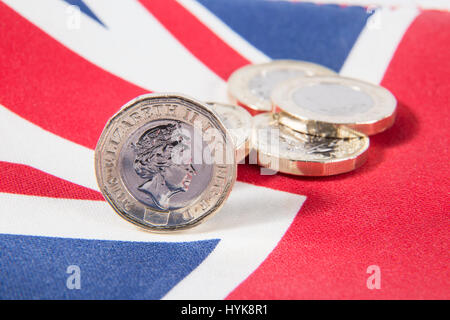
x,y
239,91
308,155
136,117
315,128
378,118
239,123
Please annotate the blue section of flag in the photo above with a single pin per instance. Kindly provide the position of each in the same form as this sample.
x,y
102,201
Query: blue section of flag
x,y
35,267
322,34
85,9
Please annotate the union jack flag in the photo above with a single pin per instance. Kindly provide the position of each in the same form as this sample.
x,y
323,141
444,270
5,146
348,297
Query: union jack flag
x,y
66,66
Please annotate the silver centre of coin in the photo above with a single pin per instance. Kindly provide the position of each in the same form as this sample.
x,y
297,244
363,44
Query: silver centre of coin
x,y
152,168
338,100
165,162
251,86
334,100
262,84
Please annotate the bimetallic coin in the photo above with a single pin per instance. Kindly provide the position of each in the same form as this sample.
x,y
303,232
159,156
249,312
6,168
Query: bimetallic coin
x,y
315,128
165,162
251,86
331,102
239,123
283,149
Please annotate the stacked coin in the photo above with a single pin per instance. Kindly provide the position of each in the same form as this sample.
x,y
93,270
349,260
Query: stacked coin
x,y
239,123
167,162
310,121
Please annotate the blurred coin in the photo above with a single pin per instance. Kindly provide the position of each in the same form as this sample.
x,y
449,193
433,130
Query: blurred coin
x,y
283,149
165,162
239,123
323,104
251,85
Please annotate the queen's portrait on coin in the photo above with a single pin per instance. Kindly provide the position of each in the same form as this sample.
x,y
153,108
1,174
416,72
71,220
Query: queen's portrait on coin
x,y
159,155
156,162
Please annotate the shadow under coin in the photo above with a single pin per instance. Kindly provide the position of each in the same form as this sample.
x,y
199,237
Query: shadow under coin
x,y
405,127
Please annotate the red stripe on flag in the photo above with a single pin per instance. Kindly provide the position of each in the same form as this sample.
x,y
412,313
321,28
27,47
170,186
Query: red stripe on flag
x,y
392,212
196,37
22,179
53,87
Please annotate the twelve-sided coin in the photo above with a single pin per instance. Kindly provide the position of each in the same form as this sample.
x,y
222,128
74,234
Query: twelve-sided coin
x,y
322,104
239,123
251,85
283,149
165,162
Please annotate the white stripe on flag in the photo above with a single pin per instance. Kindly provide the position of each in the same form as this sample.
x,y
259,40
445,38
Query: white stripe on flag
x,y
376,44
136,47
249,227
133,46
250,224
25,143
224,32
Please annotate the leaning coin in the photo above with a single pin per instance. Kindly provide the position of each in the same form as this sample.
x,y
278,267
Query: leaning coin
x,y
165,162
251,85
323,104
239,123
283,149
